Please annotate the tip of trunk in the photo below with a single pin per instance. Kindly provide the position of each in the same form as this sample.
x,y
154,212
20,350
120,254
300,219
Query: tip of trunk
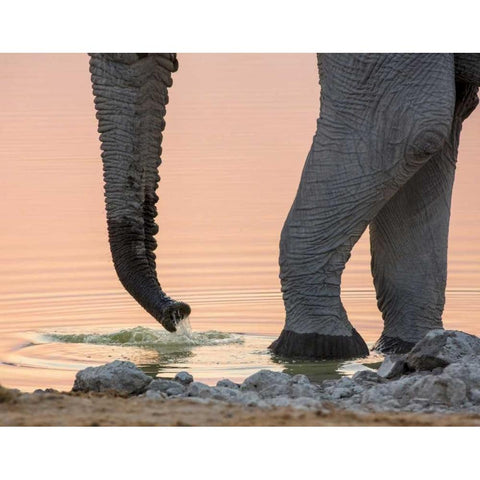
x,y
172,314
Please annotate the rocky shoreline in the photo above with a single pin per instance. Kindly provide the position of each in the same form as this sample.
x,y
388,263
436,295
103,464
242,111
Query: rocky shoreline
x,y
439,377
441,374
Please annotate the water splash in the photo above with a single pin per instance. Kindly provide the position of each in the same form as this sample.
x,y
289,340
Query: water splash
x,y
148,337
184,328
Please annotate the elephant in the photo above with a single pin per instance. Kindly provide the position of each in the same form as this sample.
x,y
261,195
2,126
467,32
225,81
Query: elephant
x,y
383,156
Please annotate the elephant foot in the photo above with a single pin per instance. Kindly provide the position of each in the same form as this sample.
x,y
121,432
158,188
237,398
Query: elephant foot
x,y
320,347
173,314
390,345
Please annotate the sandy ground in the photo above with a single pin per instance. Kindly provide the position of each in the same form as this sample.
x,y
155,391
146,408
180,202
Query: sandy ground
x,y
72,409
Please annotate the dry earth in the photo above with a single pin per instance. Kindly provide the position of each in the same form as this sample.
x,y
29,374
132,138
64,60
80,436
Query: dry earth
x,y
74,409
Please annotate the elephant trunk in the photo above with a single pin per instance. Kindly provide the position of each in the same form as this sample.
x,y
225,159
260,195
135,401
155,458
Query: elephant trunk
x,y
130,97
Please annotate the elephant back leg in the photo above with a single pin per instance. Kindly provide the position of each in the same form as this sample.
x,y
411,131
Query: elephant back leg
x,y
467,68
382,117
409,239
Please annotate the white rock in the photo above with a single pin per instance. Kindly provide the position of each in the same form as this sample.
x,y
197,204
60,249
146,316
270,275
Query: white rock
x,y
299,390
232,395
301,379
264,378
345,387
184,378
169,387
367,377
199,389
225,382
439,389
416,393
393,366
281,401
251,399
273,391
153,394
118,376
467,370
440,348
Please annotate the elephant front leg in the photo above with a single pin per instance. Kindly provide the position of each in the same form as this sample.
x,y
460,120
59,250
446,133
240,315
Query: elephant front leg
x,y
409,240
382,118
315,245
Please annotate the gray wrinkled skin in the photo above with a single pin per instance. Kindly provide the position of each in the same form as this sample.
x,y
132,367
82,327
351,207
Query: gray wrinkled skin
x,y
383,156
130,98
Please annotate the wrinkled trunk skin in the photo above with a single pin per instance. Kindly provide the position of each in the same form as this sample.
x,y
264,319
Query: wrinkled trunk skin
x,y
130,97
383,116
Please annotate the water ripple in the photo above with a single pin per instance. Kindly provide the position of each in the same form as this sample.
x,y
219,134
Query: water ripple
x,y
147,338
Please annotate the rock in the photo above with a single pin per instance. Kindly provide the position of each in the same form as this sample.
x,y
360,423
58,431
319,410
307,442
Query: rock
x,y
251,399
184,378
343,388
39,391
118,376
308,390
169,387
301,379
306,403
227,383
416,393
199,390
393,366
7,395
440,348
303,403
397,390
263,379
439,389
468,371
474,396
275,390
391,404
328,383
367,377
282,401
269,384
339,393
226,394
155,395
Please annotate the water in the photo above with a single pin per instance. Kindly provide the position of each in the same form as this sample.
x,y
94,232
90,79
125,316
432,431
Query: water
x,y
208,355
238,131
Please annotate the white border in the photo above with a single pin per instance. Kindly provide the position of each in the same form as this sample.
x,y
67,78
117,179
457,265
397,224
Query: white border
x,y
245,26
239,453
